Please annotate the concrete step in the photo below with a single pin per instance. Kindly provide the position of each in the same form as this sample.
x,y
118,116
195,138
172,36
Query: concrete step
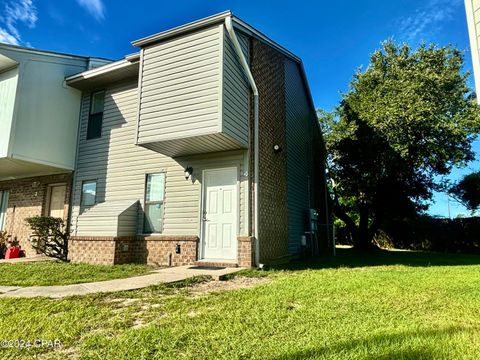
x,y
213,263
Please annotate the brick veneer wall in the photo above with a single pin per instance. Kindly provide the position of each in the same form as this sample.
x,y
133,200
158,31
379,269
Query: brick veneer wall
x,y
27,198
267,67
246,251
156,250
160,250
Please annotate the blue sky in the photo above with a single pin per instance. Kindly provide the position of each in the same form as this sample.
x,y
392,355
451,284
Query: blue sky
x,y
333,38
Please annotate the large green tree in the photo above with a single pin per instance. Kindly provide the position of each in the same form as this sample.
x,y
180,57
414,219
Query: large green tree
x,y
467,191
406,119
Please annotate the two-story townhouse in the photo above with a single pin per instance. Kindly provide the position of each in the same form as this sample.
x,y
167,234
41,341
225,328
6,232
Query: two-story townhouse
x,y
38,133
203,147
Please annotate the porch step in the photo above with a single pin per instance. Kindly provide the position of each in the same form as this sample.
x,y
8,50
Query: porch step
x,y
209,263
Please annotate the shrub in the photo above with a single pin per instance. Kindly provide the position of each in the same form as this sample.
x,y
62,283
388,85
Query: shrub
x,y
50,236
3,243
434,234
424,232
383,241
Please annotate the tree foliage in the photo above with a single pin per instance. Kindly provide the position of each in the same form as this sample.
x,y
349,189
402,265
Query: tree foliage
x,y
467,191
405,120
49,236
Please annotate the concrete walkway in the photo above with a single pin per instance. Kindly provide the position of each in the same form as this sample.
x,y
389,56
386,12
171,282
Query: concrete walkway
x,y
167,275
27,259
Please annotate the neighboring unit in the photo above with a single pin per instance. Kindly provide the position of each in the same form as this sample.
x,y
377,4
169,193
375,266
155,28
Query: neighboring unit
x,y
203,147
472,8
38,134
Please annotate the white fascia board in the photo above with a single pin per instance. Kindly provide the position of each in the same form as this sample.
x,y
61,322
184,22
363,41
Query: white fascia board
x,y
182,29
42,52
117,65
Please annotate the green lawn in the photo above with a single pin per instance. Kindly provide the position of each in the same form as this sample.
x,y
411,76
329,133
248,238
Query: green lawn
x,y
62,273
388,305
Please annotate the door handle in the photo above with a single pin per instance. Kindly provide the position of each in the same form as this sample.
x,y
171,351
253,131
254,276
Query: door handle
x,y
205,215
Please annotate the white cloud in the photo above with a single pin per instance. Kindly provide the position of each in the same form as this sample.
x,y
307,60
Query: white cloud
x,y
426,20
16,12
7,38
95,7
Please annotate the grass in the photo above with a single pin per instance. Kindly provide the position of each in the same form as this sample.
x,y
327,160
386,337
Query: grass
x,y
62,273
386,305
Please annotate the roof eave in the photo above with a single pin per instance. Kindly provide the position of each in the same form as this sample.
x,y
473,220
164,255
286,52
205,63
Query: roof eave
x,y
217,18
208,21
116,65
43,52
250,30
7,63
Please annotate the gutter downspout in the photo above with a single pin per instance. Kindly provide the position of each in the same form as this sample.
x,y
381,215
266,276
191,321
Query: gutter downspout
x,y
74,175
248,74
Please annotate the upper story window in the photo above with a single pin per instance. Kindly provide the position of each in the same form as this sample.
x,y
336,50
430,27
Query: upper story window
x,y
89,193
95,117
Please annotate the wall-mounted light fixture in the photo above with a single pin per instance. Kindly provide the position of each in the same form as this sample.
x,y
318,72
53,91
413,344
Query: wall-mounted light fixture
x,y
188,172
277,148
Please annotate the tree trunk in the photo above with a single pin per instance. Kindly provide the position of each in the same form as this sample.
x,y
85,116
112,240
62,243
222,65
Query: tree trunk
x,y
362,238
362,234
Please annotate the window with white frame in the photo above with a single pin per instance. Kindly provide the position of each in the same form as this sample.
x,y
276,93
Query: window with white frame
x,y
95,117
3,209
154,196
89,193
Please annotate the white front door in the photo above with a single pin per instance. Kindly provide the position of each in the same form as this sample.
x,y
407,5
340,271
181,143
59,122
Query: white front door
x,y
220,214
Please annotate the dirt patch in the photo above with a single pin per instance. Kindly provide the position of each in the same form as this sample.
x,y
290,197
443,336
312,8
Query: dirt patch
x,y
233,284
123,302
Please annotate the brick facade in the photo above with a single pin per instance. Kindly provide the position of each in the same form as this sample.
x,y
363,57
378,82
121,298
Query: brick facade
x,y
27,198
158,250
267,67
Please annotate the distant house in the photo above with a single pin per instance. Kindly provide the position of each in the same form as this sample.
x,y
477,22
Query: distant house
x,y
472,8
202,147
38,133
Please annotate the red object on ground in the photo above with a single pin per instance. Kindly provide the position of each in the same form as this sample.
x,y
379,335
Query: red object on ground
x,y
12,253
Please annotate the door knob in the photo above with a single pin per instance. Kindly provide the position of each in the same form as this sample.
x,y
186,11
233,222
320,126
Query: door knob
x,y
205,215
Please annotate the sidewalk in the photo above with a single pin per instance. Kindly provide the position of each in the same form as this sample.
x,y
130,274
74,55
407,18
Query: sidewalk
x,y
27,259
167,275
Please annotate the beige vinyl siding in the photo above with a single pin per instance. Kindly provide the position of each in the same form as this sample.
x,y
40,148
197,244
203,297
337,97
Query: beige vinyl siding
x,y
299,127
108,219
120,167
8,91
181,87
236,90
